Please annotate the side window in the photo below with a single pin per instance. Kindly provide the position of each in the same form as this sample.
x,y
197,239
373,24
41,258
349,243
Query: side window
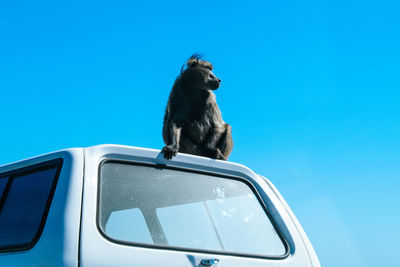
x,y
25,198
141,205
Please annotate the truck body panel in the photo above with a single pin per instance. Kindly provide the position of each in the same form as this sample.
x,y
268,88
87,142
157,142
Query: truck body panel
x,y
73,234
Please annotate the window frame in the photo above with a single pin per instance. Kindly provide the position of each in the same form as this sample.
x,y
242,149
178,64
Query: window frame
x,y
46,165
184,249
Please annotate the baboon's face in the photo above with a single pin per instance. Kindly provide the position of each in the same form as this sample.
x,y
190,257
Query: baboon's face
x,y
211,80
201,74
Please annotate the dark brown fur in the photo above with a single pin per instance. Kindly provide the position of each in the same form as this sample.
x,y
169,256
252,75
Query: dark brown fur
x,y
193,123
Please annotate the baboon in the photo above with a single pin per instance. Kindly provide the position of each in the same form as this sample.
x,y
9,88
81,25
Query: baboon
x,y
193,123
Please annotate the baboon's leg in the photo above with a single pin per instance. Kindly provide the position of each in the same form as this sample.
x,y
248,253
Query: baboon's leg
x,y
218,143
189,147
225,143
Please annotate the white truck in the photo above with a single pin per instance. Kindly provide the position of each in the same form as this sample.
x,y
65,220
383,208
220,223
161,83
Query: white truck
x,y
112,205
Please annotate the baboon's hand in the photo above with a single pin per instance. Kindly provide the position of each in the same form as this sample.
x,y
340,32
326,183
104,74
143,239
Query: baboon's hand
x,y
219,155
169,152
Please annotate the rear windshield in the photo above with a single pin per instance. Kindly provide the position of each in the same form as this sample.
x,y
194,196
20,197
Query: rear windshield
x,y
25,197
142,205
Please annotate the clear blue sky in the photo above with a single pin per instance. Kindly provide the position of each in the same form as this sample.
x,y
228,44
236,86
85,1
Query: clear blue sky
x,y
311,89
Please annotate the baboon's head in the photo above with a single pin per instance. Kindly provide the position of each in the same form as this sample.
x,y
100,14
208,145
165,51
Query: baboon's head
x,y
199,74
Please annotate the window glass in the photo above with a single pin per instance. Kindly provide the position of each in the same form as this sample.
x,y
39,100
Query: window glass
x,y
24,207
3,183
128,225
243,212
180,221
185,209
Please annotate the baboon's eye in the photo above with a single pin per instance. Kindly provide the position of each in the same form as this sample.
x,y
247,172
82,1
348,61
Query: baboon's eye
x,y
211,76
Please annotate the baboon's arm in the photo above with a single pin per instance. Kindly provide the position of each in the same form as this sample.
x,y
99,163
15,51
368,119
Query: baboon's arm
x,y
173,134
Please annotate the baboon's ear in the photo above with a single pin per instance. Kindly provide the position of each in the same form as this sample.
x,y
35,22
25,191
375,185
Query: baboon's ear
x,y
192,62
